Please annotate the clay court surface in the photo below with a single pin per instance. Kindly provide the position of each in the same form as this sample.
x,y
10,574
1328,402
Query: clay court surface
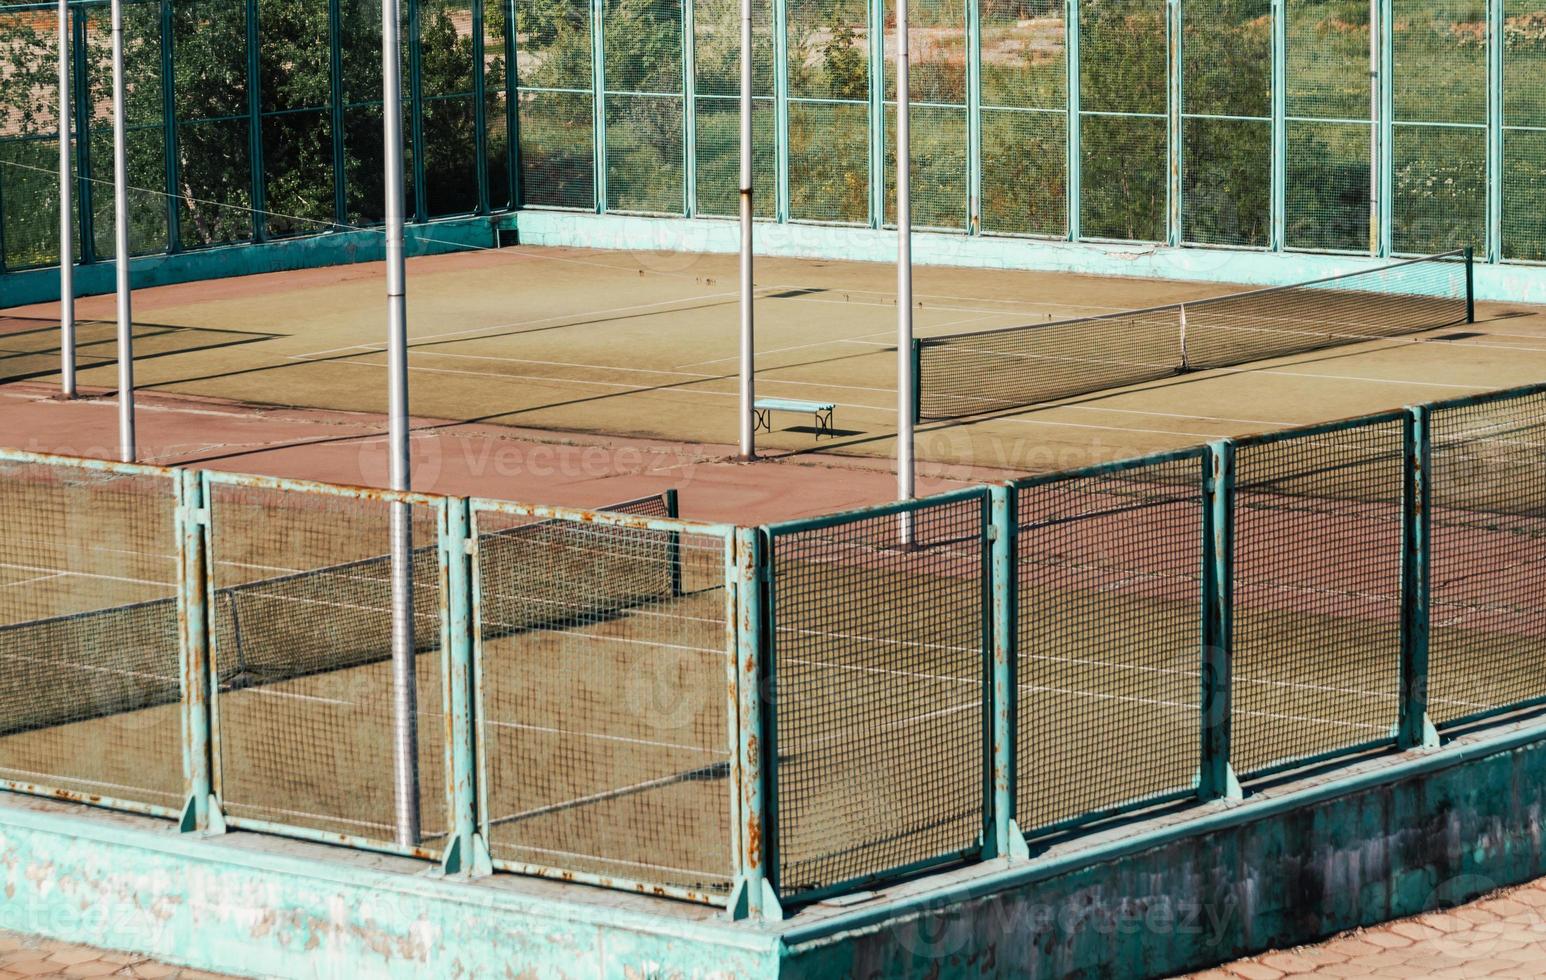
x,y
574,350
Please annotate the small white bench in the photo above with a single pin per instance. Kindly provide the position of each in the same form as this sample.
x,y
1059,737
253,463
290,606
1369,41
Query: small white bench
x,y
764,408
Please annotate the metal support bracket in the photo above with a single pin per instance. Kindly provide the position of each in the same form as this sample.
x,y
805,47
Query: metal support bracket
x,y
471,861
214,818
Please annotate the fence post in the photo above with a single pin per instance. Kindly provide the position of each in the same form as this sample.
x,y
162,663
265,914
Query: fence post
x,y
780,110
598,84
1279,219
1002,834
754,795
1493,251
1385,175
1413,728
689,109
201,812
1216,778
466,852
973,119
1174,232
1071,47
877,113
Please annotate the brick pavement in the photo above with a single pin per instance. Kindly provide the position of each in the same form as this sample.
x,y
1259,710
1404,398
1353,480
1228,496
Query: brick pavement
x,y
36,958
1502,935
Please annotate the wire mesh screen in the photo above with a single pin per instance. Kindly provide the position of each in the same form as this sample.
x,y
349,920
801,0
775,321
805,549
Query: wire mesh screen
x,y
996,370
301,612
1440,190
1110,629
1330,141
937,43
1524,133
717,64
1226,132
879,653
554,107
829,116
1122,68
1487,557
1317,593
90,685
604,659
1024,70
645,165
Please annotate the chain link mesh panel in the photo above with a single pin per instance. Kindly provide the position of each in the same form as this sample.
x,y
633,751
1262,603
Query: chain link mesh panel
x,y
1226,132
1110,629
604,658
938,141
1317,592
1440,84
829,117
90,687
1524,135
29,148
554,104
1330,139
301,611
1487,557
145,136
717,60
644,154
879,653
1123,70
1024,118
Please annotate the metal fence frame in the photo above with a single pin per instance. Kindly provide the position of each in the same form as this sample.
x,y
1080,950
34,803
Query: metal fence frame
x,y
188,602
1382,122
751,609
727,536
209,518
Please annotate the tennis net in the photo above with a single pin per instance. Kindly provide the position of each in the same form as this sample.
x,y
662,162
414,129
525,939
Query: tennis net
x,y
264,639
975,373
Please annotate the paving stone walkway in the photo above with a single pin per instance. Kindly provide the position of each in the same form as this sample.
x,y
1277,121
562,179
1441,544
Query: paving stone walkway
x,y
1502,935
44,959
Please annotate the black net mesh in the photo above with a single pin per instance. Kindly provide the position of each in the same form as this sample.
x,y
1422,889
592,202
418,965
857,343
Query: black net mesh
x,y
604,659
879,651
88,633
1109,621
1487,644
1317,593
998,370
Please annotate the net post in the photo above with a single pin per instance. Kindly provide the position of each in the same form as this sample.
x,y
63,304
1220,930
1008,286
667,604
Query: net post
x,y
466,851
1002,836
674,541
1413,728
753,799
201,813
1470,284
1216,779
917,381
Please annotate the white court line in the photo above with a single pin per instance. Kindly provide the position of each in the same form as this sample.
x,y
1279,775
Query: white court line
x,y
1348,377
606,738
622,862
48,778
860,339
91,575
266,691
39,578
90,668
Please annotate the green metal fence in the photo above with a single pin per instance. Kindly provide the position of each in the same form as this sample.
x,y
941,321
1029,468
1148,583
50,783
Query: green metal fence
x,y
763,717
1231,123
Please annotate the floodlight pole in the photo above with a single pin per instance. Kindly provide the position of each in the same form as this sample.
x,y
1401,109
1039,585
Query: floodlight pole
x,y
405,728
66,215
126,446
748,349
904,274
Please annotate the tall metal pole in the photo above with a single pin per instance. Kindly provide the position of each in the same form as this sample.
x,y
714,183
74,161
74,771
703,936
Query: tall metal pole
x,y
904,272
748,349
405,754
1374,128
126,446
66,215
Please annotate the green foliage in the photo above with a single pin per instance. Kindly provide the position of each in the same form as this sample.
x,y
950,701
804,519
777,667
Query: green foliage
x,y
844,64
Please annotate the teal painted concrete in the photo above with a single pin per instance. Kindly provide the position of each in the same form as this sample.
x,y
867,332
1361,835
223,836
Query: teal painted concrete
x,y
1494,283
285,255
1389,838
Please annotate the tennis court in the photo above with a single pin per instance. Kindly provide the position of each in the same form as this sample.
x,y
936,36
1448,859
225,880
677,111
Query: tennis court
x,y
1227,568
644,345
